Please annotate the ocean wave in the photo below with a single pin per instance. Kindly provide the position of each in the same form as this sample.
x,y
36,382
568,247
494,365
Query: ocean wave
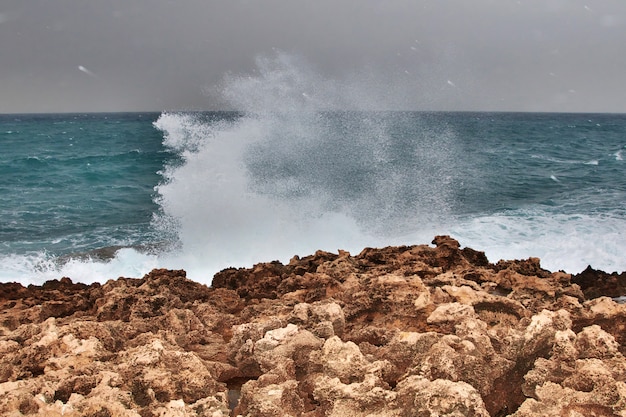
x,y
568,242
36,268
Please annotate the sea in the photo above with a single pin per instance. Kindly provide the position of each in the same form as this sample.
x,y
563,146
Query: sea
x,y
97,196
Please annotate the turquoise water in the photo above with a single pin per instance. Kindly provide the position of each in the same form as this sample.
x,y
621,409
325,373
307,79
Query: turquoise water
x,y
203,191
74,183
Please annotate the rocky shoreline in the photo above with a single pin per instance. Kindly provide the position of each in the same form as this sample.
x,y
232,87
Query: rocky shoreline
x,y
397,331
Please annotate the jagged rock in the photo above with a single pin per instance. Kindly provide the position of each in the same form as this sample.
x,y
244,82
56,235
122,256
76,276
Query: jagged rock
x,y
440,397
584,370
409,330
595,283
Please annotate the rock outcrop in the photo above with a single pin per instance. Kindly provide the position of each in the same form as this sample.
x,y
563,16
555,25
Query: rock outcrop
x,y
398,331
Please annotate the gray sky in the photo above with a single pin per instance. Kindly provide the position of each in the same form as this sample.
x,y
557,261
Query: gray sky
x,y
124,55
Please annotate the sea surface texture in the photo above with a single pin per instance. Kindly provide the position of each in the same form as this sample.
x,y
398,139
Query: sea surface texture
x,y
97,196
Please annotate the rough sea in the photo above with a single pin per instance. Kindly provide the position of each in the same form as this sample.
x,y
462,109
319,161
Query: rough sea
x,y
98,196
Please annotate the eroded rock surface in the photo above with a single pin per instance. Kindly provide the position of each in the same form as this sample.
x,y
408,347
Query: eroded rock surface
x,y
415,330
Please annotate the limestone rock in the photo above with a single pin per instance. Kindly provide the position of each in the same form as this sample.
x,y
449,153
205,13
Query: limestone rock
x,y
440,397
410,330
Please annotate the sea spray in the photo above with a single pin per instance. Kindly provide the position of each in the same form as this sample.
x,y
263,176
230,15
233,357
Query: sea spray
x,y
305,163
299,169
305,166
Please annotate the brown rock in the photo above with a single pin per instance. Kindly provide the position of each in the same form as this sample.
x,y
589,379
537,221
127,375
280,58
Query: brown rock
x,y
409,330
440,397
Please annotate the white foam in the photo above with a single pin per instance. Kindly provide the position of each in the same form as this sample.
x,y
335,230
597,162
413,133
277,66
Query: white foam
x,y
41,267
562,242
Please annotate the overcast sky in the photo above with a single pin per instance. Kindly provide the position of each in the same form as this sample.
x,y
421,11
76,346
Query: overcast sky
x,y
125,55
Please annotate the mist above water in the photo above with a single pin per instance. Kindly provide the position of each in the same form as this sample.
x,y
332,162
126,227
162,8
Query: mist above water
x,y
304,167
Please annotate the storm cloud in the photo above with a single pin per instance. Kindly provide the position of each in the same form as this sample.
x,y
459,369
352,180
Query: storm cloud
x,y
114,55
